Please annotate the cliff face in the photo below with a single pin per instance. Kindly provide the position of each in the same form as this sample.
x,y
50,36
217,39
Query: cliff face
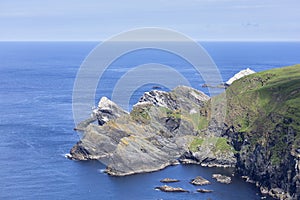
x,y
260,136
263,125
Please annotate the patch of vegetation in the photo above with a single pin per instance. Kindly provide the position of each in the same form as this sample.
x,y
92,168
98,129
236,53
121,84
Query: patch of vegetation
x,y
176,114
170,113
197,142
222,145
217,144
141,113
202,123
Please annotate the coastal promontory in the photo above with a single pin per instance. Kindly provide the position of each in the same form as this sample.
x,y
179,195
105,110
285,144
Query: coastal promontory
x,y
259,133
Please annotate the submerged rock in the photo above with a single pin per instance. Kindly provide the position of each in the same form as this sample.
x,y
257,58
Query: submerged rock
x,y
166,188
199,181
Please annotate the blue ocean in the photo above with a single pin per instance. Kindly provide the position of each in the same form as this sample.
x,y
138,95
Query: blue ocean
x,y
36,121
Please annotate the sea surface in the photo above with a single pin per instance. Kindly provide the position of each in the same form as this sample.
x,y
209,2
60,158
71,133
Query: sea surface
x,y
36,120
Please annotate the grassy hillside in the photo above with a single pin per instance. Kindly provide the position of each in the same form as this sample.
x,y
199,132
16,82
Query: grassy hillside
x,y
262,100
263,124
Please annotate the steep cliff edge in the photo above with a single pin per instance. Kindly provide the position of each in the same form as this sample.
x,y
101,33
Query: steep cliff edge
x,y
263,125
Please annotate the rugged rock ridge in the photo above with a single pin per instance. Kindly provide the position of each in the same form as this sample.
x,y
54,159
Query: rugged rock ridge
x,y
157,133
107,110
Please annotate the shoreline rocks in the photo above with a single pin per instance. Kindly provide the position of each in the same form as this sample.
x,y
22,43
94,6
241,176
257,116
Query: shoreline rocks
x,y
200,181
222,178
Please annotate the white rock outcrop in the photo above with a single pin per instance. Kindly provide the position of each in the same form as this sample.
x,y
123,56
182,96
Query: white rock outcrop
x,y
239,75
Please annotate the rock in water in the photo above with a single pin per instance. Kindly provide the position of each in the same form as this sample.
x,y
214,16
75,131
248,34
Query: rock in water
x,y
169,180
204,190
239,75
200,181
222,178
78,152
166,188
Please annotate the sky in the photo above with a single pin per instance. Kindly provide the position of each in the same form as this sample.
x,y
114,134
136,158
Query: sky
x,y
98,20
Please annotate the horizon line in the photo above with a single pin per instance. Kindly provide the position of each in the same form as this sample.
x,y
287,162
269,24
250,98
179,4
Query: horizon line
x,y
151,41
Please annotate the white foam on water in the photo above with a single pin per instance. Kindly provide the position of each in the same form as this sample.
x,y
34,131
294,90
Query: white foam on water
x,y
66,155
102,170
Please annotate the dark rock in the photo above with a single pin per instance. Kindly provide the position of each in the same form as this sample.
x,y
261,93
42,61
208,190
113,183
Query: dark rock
x,y
78,152
201,190
172,123
222,178
278,193
169,180
248,180
199,181
160,98
166,188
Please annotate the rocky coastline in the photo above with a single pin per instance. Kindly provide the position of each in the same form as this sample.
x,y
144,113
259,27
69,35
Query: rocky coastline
x,y
157,133
259,137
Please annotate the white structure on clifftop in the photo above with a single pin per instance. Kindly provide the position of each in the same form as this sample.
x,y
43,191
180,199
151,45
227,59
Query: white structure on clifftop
x,y
239,75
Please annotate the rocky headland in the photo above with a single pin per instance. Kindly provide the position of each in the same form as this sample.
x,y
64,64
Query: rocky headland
x,y
259,133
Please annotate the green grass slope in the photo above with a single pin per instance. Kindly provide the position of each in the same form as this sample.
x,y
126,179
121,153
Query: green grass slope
x,y
263,124
274,94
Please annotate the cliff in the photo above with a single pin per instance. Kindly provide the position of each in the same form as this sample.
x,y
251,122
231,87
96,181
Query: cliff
x,y
260,134
263,125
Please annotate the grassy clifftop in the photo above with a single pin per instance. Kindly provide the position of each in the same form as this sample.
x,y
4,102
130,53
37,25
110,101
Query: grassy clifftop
x,y
263,124
272,94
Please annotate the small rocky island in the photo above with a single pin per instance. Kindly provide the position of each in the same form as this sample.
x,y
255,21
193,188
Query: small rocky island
x,y
200,181
166,188
258,133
